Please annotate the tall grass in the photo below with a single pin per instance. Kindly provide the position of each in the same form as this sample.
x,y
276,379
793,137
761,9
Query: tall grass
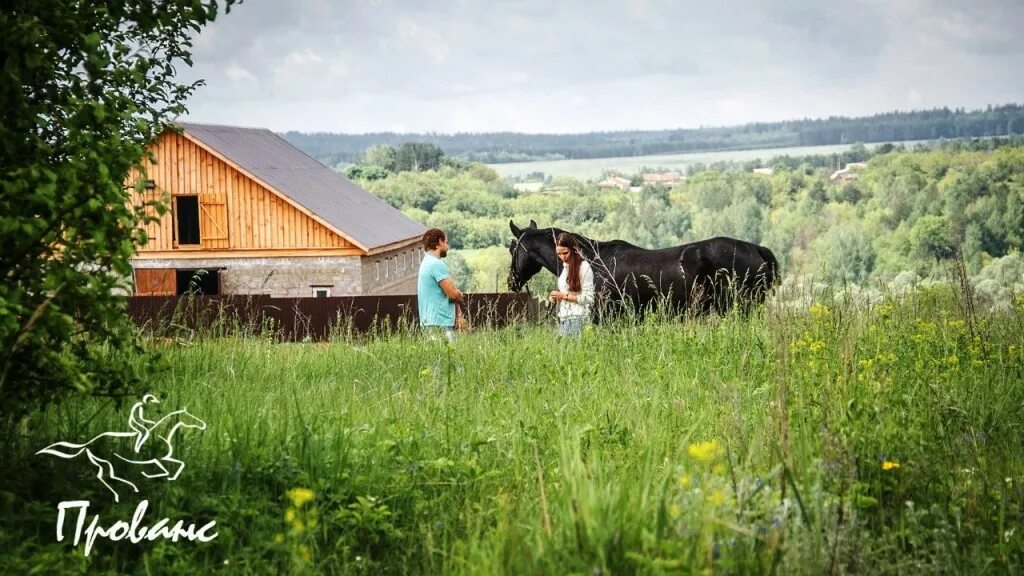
x,y
835,438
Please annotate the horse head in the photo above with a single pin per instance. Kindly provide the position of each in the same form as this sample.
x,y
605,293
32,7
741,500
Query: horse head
x,y
189,421
527,250
180,419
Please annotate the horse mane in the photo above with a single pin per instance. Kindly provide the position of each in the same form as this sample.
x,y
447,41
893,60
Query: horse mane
x,y
583,240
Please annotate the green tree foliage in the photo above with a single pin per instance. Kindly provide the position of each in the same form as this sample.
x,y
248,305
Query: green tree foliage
x,y
366,172
418,157
85,86
904,213
844,253
932,235
382,156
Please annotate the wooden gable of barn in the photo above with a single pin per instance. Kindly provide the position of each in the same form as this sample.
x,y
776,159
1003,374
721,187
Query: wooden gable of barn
x,y
217,208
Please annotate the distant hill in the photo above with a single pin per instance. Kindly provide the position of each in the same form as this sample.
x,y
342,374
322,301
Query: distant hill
x,y
496,147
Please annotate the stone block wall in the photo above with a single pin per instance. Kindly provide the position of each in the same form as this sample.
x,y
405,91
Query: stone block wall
x,y
283,277
392,272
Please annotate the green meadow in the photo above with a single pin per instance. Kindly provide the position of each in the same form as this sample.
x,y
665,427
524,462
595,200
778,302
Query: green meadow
x,y
830,438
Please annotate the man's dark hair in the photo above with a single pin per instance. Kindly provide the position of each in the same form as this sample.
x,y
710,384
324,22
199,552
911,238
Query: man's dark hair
x,y
432,237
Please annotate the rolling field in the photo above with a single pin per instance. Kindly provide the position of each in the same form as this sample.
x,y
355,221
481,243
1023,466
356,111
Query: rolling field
x,y
830,438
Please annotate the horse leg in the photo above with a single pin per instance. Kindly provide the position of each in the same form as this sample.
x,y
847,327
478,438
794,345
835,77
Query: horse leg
x,y
163,471
100,465
181,466
146,463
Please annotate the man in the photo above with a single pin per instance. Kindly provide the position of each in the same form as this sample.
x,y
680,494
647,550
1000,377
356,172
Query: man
x,y
438,298
138,423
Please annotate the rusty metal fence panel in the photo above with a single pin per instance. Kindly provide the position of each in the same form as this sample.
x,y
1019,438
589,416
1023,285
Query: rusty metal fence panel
x,y
299,319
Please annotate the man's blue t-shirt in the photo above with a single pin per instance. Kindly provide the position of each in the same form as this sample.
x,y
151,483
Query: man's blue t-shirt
x,y
435,307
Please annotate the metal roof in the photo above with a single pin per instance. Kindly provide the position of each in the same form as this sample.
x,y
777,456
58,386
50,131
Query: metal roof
x,y
364,218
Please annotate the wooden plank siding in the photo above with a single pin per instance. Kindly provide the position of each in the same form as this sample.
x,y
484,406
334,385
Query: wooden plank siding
x,y
236,213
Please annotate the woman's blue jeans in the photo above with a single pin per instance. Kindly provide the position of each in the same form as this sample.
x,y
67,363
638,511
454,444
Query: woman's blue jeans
x,y
570,326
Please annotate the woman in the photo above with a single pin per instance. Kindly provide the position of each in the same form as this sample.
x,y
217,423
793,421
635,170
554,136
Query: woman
x,y
575,291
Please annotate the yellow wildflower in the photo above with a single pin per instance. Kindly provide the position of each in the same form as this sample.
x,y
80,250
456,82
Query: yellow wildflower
x,y
304,552
888,465
717,497
301,496
705,451
674,511
819,311
279,538
684,480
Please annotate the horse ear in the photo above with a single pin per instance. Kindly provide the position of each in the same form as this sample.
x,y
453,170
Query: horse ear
x,y
533,224
515,229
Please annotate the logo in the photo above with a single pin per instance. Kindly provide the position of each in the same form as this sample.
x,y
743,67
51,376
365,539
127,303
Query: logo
x,y
149,445
147,449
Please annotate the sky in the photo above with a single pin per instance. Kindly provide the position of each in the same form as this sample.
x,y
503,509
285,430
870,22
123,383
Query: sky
x,y
566,66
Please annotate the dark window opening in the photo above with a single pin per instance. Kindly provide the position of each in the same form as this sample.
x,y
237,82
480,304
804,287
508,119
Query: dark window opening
x,y
187,212
206,282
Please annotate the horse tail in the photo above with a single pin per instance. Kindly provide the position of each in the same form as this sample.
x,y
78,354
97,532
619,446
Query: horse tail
x,y
64,449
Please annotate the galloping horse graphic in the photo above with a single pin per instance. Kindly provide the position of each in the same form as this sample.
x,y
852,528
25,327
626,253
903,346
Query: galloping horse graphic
x,y
156,458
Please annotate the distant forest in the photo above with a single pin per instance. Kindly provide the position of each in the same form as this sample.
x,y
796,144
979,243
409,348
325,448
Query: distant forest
x,y
341,149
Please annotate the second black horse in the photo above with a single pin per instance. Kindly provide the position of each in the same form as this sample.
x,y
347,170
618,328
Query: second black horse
x,y
700,277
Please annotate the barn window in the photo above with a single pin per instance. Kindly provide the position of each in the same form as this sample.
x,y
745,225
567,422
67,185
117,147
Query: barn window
x,y
386,263
395,259
376,270
187,213
321,291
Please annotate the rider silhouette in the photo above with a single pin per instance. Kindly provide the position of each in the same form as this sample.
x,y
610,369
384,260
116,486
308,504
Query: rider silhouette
x,y
139,423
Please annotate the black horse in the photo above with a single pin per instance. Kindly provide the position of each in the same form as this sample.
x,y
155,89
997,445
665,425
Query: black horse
x,y
700,277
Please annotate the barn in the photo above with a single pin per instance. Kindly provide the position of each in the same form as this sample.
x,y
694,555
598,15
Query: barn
x,y
251,214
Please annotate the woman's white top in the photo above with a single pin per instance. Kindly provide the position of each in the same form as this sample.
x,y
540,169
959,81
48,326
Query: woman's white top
x,y
585,297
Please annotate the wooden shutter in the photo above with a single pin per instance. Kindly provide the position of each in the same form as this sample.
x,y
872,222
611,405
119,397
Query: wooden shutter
x,y
214,213
155,282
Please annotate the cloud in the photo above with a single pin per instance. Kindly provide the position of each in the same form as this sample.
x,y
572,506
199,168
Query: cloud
x,y
425,39
577,66
239,75
302,58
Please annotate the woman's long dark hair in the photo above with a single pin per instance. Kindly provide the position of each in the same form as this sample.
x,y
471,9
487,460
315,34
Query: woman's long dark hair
x,y
566,240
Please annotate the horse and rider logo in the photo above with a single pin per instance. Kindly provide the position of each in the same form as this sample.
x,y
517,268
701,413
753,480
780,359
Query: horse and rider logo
x,y
148,445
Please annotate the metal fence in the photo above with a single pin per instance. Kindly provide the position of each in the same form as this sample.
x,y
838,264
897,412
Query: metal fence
x,y
299,319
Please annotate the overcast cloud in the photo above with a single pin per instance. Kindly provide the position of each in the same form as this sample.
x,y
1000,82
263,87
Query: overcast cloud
x,y
568,66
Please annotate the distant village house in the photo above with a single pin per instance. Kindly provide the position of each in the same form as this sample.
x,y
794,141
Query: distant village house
x,y
666,179
259,216
614,181
847,173
528,186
